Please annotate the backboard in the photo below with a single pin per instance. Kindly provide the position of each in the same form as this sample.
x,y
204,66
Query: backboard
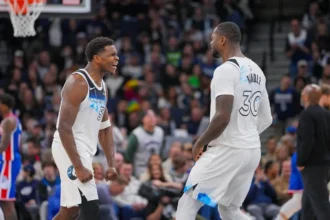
x,y
61,8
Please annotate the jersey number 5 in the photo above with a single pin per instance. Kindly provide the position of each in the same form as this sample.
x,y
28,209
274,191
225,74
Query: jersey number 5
x,y
251,103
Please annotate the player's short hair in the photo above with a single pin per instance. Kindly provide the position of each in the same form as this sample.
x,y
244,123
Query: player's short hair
x,y
97,45
7,100
230,30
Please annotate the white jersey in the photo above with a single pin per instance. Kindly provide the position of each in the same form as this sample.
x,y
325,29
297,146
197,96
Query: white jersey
x,y
88,121
251,114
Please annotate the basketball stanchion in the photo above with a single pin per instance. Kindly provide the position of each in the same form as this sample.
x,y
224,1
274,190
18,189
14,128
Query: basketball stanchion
x,y
23,14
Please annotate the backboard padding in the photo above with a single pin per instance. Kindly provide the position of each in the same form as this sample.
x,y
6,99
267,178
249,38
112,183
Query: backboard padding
x,y
85,9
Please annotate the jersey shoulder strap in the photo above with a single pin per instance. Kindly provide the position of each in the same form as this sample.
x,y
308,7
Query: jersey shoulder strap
x,y
90,83
234,62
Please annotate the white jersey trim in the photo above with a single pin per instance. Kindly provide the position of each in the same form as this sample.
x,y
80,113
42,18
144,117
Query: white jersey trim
x,y
96,86
87,95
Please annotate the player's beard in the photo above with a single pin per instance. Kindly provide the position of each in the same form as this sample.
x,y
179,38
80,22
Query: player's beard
x,y
327,107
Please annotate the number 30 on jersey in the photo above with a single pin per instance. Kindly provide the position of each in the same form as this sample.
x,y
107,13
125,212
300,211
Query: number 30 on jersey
x,y
251,103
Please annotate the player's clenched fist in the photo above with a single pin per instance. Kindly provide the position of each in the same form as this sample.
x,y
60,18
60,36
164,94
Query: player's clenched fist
x,y
84,174
111,174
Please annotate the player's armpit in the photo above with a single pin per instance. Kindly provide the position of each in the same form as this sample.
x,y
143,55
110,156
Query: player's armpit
x,y
8,126
73,93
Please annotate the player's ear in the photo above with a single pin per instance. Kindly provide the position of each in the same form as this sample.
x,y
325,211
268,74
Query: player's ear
x,y
222,40
97,58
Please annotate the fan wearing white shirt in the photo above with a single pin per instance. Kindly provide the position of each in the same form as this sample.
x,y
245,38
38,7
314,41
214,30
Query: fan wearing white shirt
x,y
130,197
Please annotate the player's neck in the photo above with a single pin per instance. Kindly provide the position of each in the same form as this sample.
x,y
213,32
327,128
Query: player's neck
x,y
94,73
235,51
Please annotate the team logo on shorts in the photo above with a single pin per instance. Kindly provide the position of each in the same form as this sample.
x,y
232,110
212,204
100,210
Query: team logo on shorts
x,y
72,173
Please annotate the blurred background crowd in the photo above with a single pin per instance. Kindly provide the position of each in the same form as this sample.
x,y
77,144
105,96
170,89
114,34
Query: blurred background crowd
x,y
159,100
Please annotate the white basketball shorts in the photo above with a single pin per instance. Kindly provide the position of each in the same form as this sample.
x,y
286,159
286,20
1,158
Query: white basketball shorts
x,y
70,184
223,175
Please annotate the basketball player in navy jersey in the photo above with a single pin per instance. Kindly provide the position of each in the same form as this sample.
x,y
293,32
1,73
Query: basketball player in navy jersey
x,y
10,158
83,121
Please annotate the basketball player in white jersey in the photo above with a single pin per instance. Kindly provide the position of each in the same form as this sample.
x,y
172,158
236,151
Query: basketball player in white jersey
x,y
83,121
240,111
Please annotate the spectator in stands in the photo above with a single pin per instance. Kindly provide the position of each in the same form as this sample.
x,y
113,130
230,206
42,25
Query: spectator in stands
x,y
289,142
170,77
129,200
27,192
48,182
281,183
160,206
295,189
272,170
119,160
271,149
326,75
165,121
130,197
261,198
209,64
98,173
282,153
119,137
173,54
303,71
297,45
153,160
187,153
133,69
54,202
197,123
300,83
175,150
121,114
106,194
33,155
144,141
309,18
325,98
179,172
285,101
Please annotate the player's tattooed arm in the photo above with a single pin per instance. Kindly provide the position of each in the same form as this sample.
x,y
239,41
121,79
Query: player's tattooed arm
x,y
106,141
8,126
73,93
219,122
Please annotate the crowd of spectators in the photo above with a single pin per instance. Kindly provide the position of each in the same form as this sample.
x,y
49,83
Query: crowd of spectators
x,y
165,65
308,50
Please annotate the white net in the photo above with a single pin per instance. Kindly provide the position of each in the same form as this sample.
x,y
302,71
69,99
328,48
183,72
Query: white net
x,y
23,14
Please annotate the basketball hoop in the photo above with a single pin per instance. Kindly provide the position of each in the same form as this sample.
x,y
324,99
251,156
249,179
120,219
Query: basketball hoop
x,y
23,14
